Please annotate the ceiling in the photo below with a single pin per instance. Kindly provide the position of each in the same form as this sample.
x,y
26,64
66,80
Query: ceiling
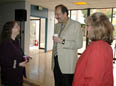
x,y
50,4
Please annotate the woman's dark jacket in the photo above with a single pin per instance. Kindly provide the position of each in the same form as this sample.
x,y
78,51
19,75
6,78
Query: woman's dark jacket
x,y
10,57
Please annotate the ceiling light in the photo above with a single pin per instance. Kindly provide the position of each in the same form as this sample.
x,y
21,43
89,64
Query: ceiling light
x,y
80,3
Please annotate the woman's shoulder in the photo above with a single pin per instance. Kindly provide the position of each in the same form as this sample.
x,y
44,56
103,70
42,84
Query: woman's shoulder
x,y
102,45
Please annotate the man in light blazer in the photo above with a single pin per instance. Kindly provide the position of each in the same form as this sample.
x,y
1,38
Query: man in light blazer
x,y
65,47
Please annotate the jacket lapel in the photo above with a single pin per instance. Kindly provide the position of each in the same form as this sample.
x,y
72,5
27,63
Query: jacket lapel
x,y
66,27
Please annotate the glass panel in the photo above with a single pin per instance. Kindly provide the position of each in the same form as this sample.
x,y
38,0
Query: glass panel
x,y
42,33
69,13
34,32
80,15
114,23
107,12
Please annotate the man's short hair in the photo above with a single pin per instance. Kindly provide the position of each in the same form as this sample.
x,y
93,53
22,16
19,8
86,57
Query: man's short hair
x,y
63,8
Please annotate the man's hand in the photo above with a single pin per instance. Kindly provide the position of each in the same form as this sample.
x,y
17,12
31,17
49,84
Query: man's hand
x,y
57,39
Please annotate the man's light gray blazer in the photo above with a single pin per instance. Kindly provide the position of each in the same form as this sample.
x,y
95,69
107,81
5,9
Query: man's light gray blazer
x,y
67,53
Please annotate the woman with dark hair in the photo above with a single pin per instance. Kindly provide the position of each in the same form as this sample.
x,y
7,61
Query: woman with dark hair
x,y
12,61
95,65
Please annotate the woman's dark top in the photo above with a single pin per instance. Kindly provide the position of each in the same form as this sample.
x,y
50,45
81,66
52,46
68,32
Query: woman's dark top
x,y
10,57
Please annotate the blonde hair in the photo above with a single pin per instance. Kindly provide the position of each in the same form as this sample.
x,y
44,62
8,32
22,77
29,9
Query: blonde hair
x,y
102,27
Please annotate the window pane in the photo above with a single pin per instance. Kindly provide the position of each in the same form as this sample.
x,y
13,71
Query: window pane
x,y
107,12
80,15
42,33
69,13
114,21
114,24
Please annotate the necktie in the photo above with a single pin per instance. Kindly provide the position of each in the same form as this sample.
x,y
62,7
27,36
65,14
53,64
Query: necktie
x,y
62,27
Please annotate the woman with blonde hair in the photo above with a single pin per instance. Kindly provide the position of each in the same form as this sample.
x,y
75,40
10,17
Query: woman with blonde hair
x,y
95,65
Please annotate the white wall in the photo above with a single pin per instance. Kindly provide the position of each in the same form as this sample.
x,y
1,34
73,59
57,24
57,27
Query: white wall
x,y
27,28
50,30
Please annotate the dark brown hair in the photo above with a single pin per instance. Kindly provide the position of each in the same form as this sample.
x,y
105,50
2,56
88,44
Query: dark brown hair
x,y
6,31
63,8
102,27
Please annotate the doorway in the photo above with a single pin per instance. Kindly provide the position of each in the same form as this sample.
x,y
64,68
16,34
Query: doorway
x,y
37,33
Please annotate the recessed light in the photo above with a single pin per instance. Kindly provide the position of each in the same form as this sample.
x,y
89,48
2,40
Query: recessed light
x,y
80,3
